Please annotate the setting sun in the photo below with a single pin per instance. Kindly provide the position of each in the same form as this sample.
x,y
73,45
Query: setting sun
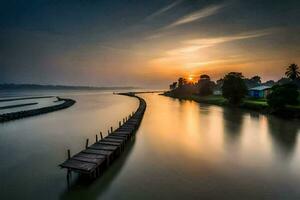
x,y
190,79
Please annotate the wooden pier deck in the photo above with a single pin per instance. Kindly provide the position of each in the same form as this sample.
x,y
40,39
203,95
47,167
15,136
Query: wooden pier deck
x,y
98,156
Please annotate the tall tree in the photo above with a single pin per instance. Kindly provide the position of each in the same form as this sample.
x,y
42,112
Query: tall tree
x,y
205,85
253,82
234,88
219,83
256,79
292,71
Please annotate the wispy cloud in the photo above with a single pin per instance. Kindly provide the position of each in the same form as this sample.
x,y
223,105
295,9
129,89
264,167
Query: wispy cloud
x,y
227,60
197,15
185,50
197,44
164,10
190,48
218,40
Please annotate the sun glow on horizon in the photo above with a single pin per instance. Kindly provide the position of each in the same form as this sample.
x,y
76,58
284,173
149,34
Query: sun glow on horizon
x,y
190,79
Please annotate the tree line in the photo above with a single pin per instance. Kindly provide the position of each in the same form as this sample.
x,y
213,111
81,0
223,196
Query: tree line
x,y
234,87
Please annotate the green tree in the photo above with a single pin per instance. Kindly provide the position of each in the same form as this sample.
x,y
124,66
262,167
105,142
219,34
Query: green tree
x,y
292,71
256,79
282,95
219,84
252,82
205,85
234,88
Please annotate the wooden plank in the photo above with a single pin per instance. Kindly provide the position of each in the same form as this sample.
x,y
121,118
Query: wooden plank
x,y
124,137
87,155
107,139
127,126
122,132
79,165
98,152
103,147
89,160
114,135
109,143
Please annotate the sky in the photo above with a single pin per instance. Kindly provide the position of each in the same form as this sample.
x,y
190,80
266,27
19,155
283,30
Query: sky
x,y
145,43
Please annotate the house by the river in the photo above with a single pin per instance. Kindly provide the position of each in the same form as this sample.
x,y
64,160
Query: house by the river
x,y
259,91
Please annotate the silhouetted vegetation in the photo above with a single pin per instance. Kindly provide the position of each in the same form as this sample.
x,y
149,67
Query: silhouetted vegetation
x,y
283,95
292,71
173,86
253,82
205,85
234,88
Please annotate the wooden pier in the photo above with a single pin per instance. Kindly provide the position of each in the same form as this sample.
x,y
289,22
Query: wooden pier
x,y
95,158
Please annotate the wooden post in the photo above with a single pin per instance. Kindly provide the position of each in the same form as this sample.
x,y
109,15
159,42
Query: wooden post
x,y
96,138
123,120
69,153
87,143
101,135
68,178
119,124
111,129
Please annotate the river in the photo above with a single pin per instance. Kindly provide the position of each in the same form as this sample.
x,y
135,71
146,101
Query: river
x,y
182,150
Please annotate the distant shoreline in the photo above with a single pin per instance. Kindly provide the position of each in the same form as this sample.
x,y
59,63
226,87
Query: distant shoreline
x,y
29,113
23,98
59,87
261,108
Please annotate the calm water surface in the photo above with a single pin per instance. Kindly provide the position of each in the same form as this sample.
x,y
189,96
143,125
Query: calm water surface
x,y
181,150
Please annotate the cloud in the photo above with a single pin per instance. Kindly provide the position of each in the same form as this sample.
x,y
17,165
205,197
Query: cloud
x,y
208,42
191,47
230,59
197,44
185,50
163,10
200,14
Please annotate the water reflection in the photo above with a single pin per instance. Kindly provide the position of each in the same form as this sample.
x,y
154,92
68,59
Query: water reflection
x,y
284,136
233,122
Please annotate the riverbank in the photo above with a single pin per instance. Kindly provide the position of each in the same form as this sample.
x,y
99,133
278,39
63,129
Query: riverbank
x,y
29,113
259,105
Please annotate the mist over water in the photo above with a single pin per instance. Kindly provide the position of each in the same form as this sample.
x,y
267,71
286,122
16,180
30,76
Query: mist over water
x,y
181,150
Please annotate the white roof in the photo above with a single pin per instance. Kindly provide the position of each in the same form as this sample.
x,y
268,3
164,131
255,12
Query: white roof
x,y
262,87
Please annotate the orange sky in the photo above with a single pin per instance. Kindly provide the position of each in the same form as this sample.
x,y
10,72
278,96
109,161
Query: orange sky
x,y
146,43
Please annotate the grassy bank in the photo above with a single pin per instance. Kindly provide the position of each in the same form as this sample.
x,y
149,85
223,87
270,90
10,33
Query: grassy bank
x,y
259,105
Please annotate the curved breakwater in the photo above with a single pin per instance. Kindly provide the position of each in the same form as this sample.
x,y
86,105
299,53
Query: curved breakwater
x,y
29,113
94,159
